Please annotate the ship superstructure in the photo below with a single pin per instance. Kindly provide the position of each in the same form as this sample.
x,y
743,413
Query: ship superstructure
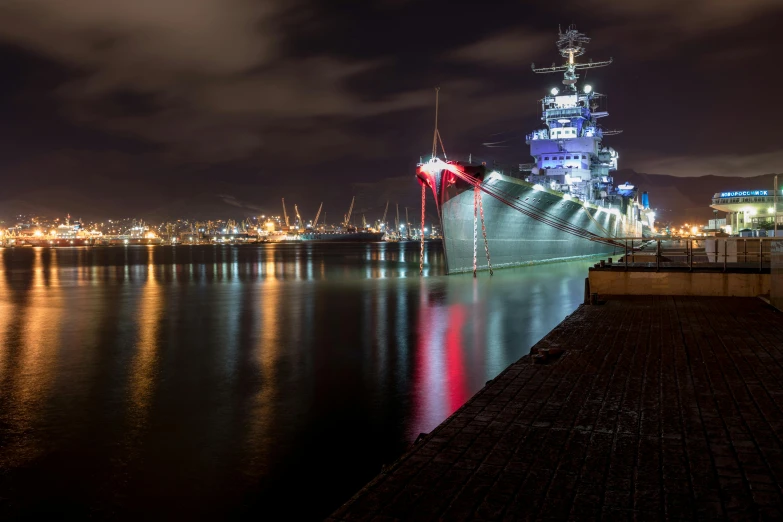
x,y
568,153
563,206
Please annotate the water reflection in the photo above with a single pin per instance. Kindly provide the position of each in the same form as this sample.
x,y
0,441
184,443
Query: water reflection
x,y
213,381
32,362
148,317
262,404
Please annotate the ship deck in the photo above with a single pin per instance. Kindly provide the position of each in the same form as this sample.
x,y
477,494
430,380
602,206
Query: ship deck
x,y
657,407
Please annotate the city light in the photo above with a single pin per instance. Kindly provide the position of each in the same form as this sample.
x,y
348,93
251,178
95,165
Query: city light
x,y
588,89
554,91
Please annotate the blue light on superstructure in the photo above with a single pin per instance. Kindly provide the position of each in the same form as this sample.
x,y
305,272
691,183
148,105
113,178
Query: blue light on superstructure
x,y
569,154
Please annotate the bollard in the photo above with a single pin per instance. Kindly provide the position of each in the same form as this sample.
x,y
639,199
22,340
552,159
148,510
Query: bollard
x,y
587,291
625,257
690,256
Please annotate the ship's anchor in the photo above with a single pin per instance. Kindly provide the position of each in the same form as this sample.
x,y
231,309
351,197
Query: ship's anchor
x,y
478,209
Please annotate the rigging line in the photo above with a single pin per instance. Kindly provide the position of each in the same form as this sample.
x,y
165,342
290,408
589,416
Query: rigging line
x,y
503,132
602,229
491,143
557,223
441,144
484,232
476,192
536,210
421,233
537,215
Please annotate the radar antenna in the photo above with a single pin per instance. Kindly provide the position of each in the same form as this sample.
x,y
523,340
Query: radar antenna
x,y
571,44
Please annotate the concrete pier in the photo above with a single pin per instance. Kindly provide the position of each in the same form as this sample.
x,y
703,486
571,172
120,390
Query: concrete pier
x,y
699,282
643,408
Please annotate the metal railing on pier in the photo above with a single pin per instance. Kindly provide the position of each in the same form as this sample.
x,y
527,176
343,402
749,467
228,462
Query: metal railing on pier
x,y
721,253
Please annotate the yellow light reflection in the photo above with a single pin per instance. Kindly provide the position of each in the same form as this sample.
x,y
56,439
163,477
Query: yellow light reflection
x,y
266,360
142,377
8,316
42,320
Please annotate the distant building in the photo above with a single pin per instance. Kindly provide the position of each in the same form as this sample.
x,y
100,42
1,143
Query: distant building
x,y
749,209
716,224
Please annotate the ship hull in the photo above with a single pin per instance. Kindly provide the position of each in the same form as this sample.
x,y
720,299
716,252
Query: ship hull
x,y
515,239
362,237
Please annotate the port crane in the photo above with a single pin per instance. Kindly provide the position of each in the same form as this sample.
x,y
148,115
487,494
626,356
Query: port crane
x,y
285,214
298,218
383,219
350,209
317,215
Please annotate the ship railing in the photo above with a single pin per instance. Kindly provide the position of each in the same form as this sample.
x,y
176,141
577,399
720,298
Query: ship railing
x,y
725,254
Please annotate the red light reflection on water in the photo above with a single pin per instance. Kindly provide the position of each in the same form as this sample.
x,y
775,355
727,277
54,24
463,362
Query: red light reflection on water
x,y
457,380
441,383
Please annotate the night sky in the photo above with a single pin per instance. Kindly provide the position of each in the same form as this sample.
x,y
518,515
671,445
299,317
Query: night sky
x,y
122,106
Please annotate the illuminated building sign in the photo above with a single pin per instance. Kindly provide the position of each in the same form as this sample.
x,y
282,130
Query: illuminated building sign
x,y
741,193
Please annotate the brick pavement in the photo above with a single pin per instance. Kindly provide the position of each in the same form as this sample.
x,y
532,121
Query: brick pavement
x,y
660,408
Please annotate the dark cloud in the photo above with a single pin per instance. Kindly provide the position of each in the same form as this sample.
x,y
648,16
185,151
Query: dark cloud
x,y
343,91
513,48
725,164
217,83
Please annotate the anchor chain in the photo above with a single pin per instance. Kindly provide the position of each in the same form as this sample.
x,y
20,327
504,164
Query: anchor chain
x,y
483,232
421,232
475,226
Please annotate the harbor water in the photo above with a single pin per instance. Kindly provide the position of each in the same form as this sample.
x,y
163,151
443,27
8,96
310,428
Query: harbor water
x,y
228,382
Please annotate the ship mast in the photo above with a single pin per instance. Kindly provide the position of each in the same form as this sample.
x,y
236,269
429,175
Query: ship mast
x,y
571,44
436,135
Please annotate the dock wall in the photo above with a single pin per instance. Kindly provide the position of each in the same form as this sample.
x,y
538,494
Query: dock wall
x,y
712,284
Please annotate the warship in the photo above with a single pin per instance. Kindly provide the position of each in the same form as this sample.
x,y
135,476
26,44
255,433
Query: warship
x,y
562,206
